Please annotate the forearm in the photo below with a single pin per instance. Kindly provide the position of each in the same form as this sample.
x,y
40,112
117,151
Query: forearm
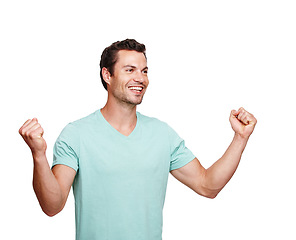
x,y
46,186
218,175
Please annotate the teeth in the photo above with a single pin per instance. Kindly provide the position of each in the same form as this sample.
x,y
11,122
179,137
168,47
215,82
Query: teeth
x,y
136,88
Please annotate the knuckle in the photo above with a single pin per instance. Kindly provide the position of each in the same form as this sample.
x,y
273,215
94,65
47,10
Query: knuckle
x,y
24,133
31,136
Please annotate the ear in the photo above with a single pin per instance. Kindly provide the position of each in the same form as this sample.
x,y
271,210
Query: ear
x,y
106,75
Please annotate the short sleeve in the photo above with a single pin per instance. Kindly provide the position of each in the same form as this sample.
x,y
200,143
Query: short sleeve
x,y
180,154
66,148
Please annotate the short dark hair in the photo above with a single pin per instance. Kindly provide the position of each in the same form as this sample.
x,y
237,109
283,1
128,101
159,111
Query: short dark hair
x,y
109,55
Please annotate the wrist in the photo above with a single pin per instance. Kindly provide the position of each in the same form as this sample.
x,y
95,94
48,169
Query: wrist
x,y
239,138
39,156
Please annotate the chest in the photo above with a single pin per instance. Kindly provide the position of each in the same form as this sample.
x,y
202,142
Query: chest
x,y
122,158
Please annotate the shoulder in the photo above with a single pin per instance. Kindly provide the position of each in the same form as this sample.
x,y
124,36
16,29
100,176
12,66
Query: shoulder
x,y
154,125
89,119
151,120
78,126
160,126
83,124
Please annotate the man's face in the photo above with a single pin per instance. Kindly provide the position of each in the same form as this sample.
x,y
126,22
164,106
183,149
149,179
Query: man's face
x,y
129,81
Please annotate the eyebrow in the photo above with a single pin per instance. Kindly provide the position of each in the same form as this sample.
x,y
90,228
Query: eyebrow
x,y
131,66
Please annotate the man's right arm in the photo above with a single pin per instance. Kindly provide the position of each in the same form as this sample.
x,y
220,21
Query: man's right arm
x,y
51,186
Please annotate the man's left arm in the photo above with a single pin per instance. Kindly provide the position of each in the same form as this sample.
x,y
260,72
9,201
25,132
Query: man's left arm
x,y
209,182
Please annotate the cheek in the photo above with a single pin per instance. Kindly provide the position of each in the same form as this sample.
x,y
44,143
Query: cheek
x,y
147,82
119,83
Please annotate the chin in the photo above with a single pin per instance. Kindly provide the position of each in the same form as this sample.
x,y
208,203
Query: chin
x,y
135,102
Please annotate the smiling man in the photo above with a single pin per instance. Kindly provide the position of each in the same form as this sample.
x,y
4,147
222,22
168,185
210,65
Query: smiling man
x,y
118,160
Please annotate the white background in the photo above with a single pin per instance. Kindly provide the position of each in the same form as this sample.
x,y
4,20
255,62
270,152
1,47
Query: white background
x,y
205,58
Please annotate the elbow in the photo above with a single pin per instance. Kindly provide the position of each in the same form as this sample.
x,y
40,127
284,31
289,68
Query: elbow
x,y
210,191
211,194
51,213
50,206
51,209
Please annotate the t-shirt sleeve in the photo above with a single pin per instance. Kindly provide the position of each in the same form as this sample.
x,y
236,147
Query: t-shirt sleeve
x,y
66,148
180,154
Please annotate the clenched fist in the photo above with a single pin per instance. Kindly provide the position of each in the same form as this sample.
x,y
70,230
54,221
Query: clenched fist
x,y
32,133
242,122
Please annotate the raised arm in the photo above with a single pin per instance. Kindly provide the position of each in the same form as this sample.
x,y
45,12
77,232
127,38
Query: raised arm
x,y
209,182
51,186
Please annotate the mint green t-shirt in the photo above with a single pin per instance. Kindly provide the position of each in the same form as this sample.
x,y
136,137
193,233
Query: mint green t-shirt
x,y
121,181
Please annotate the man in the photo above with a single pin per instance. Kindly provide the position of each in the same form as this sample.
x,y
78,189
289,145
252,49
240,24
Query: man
x,y
118,160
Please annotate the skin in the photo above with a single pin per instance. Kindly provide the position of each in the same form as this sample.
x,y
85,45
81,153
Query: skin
x,y
129,71
52,186
209,182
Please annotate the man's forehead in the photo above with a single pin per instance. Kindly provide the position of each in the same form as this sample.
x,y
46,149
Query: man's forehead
x,y
131,57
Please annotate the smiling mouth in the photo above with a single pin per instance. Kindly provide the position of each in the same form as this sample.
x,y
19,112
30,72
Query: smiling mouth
x,y
136,89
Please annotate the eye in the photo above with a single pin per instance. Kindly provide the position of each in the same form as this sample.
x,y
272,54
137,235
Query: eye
x,y
145,71
129,70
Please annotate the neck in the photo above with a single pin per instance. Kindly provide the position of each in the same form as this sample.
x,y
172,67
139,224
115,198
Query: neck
x,y
122,118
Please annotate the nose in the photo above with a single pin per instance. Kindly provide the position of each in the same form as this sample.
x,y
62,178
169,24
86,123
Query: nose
x,y
139,77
